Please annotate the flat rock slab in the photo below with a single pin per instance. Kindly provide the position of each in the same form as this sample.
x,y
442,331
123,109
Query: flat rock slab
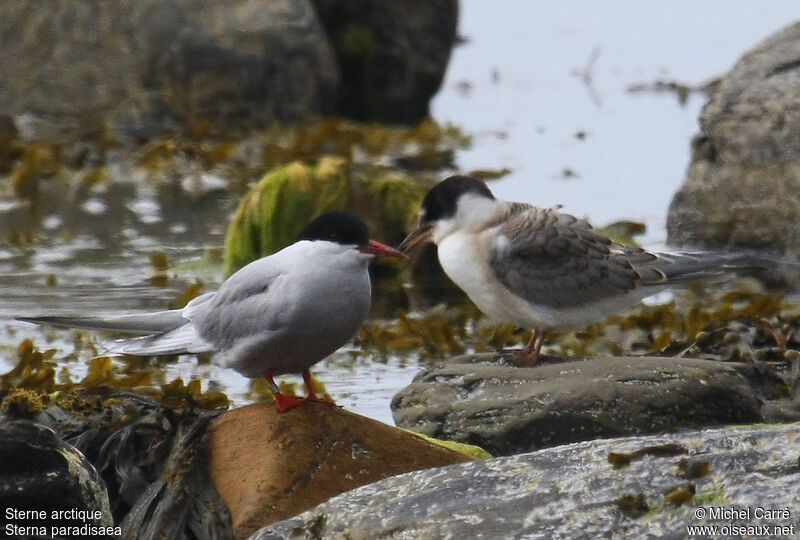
x,y
268,466
575,492
507,410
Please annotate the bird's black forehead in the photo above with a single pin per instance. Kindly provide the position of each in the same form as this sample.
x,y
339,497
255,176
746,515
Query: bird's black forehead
x,y
338,227
442,200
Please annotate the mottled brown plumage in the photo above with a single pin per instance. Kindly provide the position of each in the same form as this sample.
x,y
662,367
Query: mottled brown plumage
x,y
557,260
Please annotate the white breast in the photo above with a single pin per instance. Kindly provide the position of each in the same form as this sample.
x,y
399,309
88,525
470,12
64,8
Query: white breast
x,y
464,257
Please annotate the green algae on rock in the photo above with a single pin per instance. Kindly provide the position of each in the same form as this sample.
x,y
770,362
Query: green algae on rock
x,y
471,450
274,212
391,203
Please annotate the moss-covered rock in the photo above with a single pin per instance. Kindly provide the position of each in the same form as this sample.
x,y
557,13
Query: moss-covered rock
x,y
391,202
275,211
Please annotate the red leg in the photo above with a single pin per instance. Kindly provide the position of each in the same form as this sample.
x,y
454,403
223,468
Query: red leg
x,y
310,389
529,356
284,403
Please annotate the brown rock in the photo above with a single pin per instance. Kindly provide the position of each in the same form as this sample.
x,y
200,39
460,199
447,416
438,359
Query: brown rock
x,y
269,466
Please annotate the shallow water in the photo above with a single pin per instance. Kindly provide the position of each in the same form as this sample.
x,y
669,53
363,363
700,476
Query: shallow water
x,y
542,87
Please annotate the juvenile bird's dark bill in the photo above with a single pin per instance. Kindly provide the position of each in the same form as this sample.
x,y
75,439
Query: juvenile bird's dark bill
x,y
419,236
376,248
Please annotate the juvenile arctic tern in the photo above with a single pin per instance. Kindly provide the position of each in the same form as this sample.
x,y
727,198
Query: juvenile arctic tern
x,y
541,269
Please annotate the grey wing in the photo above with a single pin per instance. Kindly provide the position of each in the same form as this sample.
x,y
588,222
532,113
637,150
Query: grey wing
x,y
556,260
252,302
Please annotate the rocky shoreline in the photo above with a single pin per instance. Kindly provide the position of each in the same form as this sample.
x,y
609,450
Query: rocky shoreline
x,y
651,425
672,482
586,446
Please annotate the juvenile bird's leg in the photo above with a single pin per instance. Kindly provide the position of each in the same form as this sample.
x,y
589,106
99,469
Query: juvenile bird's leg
x,y
529,356
310,389
284,403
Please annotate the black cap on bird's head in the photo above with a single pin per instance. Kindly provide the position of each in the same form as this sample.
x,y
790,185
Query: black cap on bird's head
x,y
441,203
347,230
338,227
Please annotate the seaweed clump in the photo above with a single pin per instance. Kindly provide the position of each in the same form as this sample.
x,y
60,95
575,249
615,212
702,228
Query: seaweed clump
x,y
35,375
740,325
150,452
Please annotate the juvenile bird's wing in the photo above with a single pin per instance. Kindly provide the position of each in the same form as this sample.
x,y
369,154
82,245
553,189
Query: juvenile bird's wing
x,y
556,260
689,266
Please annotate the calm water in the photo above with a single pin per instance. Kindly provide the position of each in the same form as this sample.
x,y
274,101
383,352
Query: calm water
x,y
544,89
518,86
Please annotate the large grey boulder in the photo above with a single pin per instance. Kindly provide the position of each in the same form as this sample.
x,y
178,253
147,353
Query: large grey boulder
x,y
641,487
144,65
507,410
743,184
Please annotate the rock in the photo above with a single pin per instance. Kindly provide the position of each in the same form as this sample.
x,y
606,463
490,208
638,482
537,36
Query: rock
x,y
275,211
392,55
507,410
575,492
39,472
143,66
389,203
268,466
747,154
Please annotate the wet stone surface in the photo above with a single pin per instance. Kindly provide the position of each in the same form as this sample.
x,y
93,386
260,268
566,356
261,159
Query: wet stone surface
x,y
577,491
508,410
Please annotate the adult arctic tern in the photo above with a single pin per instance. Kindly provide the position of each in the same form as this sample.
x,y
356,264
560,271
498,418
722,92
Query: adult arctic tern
x,y
279,314
541,269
